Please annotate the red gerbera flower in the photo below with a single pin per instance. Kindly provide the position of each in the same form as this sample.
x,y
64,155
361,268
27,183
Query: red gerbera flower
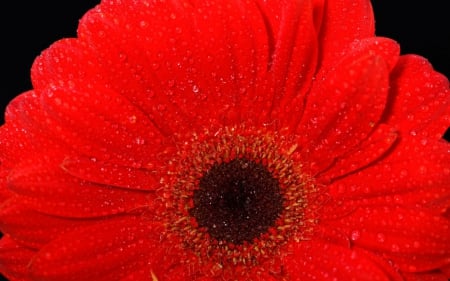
x,y
227,140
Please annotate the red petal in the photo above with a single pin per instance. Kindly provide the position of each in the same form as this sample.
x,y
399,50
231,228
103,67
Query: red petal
x,y
5,192
354,96
20,138
32,228
66,64
294,57
22,135
11,150
14,260
372,149
423,180
446,270
75,108
143,274
37,132
343,22
316,260
107,251
421,98
186,63
180,273
414,239
44,185
95,171
432,276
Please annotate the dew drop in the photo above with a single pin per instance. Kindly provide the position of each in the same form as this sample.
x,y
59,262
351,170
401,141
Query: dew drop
x,y
139,141
355,235
122,56
132,119
155,66
143,23
395,248
195,89
381,237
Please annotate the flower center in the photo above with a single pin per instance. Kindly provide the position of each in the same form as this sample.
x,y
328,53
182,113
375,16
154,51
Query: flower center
x,y
232,198
237,201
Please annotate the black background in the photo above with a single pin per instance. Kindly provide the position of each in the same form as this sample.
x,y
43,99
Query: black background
x,y
27,28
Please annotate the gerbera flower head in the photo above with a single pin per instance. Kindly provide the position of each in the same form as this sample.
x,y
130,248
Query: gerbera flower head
x,y
227,140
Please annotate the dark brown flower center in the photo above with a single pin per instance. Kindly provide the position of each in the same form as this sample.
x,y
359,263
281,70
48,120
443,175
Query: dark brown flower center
x,y
237,201
234,197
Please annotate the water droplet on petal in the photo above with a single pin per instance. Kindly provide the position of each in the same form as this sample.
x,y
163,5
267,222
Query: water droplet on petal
x,y
395,248
381,237
139,140
143,23
195,89
132,119
355,235
155,66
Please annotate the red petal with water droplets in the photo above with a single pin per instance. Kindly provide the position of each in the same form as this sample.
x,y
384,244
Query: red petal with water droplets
x,y
74,109
343,22
11,150
43,185
108,250
354,97
432,276
96,171
21,125
14,259
316,260
399,234
338,237
181,274
293,58
386,48
31,228
5,192
370,150
171,261
194,62
422,182
420,99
